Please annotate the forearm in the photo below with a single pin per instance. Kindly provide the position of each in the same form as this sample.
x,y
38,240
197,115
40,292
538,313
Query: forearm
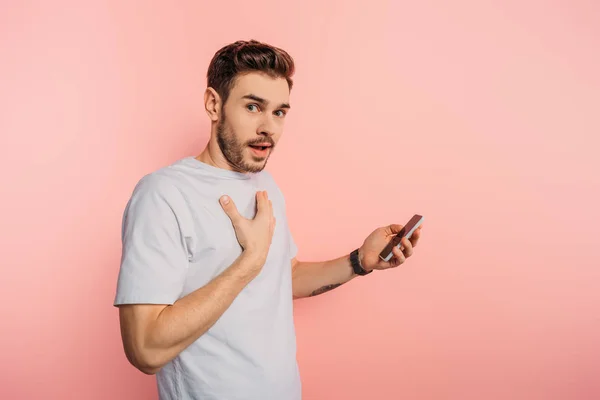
x,y
179,325
313,278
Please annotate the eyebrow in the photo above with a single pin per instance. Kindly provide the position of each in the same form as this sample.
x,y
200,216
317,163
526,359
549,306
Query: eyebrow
x,y
263,101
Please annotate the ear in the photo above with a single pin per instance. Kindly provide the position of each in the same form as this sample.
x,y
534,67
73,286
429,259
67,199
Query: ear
x,y
212,104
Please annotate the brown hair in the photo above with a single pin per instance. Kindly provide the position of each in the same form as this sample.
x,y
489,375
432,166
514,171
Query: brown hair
x,y
247,56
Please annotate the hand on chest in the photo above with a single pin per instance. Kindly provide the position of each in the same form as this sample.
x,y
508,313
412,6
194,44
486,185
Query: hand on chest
x,y
216,231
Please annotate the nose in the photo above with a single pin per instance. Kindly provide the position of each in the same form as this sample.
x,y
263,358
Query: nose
x,y
268,127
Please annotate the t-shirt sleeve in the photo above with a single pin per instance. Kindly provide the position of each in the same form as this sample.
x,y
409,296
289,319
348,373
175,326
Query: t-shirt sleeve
x,y
154,258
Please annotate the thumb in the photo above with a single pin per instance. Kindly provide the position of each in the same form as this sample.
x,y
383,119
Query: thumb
x,y
393,229
230,208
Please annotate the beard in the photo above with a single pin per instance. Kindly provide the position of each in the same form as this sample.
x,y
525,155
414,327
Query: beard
x,y
233,150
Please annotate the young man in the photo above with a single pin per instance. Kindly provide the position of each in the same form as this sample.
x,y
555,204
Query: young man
x,y
209,269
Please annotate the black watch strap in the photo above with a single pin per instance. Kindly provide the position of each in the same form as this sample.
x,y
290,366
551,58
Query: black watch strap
x,y
355,262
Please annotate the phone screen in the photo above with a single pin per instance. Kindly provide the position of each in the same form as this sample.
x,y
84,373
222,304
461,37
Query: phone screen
x,y
408,229
410,226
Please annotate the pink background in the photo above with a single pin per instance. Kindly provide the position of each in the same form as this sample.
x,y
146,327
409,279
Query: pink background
x,y
482,116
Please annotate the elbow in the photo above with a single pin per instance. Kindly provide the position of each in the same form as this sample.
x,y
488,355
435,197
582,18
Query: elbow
x,y
145,361
148,368
136,334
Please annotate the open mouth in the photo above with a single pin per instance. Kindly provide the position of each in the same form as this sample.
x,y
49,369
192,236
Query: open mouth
x,y
261,148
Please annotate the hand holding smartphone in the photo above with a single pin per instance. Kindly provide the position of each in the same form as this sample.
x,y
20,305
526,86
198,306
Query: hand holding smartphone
x,y
407,231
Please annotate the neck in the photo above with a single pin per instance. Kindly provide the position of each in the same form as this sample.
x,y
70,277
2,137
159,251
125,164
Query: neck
x,y
212,155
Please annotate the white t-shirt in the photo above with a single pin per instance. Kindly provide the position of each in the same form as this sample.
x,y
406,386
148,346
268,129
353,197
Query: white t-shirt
x,y
176,238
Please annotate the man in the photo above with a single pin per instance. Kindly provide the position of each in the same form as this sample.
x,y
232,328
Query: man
x,y
209,270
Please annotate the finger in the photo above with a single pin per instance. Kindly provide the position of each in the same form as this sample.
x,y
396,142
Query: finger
x,y
393,229
414,238
272,214
398,256
407,247
262,203
230,208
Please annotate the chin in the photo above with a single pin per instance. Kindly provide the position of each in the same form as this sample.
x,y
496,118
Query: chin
x,y
255,163
256,166
252,164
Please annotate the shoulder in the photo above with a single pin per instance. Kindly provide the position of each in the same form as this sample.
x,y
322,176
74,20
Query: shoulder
x,y
158,189
168,180
155,184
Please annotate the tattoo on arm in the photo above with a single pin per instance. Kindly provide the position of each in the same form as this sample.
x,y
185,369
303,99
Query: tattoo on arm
x,y
326,288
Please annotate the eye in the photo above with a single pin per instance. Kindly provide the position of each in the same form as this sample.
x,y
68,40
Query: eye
x,y
280,113
252,107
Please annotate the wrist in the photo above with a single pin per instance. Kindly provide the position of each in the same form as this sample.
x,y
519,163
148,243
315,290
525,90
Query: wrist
x,y
360,258
253,259
245,268
356,262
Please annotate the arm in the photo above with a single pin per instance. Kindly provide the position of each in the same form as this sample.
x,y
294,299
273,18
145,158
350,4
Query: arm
x,y
313,278
156,324
154,334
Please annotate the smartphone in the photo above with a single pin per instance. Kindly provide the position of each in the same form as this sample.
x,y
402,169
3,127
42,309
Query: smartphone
x,y
408,229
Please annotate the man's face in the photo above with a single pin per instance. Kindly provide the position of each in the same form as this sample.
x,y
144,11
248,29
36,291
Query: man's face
x,y
252,120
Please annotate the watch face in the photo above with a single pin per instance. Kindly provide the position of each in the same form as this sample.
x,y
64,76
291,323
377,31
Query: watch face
x,y
356,264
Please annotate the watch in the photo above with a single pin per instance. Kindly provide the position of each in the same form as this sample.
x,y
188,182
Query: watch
x,y
355,262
